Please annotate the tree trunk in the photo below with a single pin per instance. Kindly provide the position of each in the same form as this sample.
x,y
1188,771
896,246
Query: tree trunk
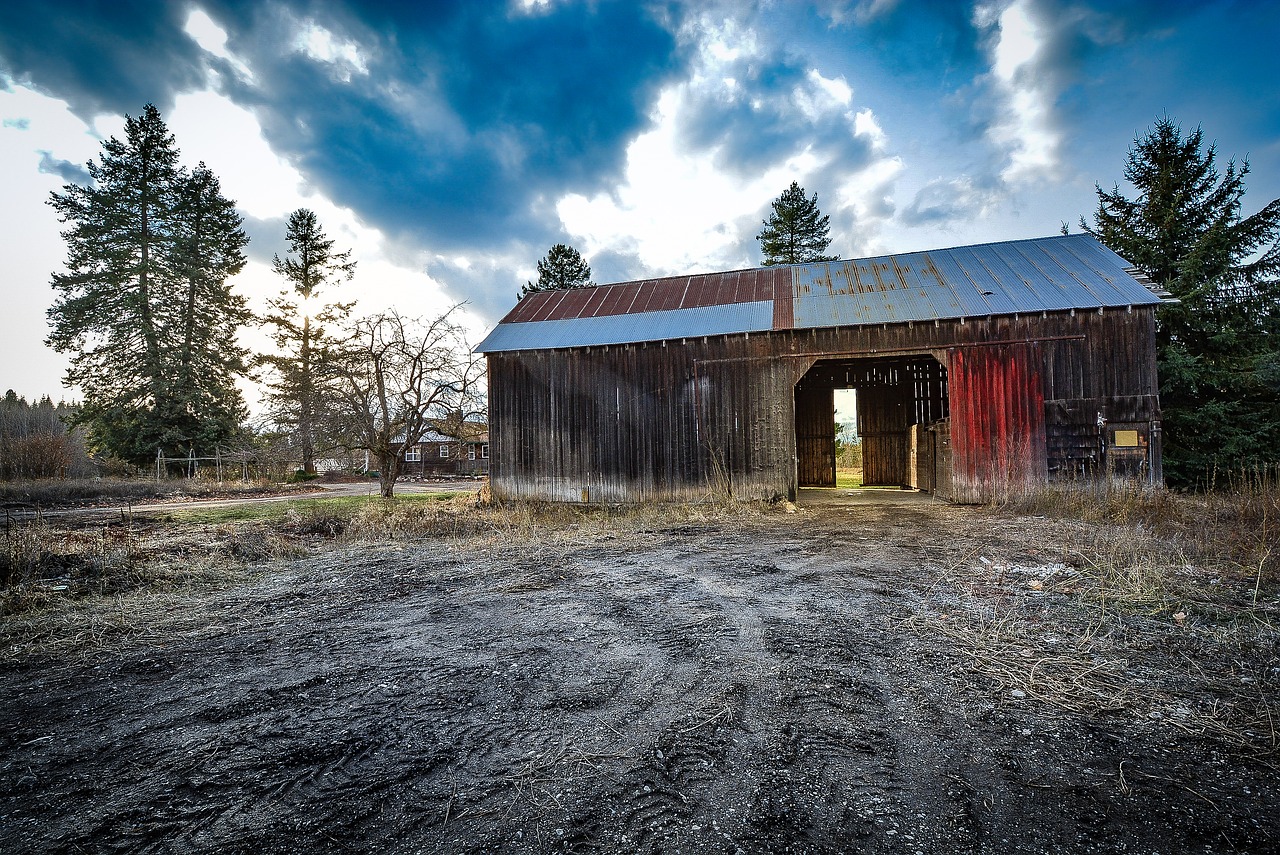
x,y
387,470
306,413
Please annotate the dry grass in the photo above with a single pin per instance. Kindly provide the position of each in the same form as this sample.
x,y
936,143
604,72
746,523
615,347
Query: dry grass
x,y
1163,607
1234,530
1159,675
43,564
71,492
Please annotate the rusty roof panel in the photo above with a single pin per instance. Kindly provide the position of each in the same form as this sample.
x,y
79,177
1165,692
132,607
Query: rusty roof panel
x,y
728,290
669,294
528,306
573,303
613,304
644,296
695,293
593,303
546,307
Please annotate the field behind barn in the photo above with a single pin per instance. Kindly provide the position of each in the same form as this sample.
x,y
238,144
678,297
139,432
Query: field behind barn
x,y
1084,673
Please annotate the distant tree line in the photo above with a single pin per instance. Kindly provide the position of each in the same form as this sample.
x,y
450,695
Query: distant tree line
x,y
35,441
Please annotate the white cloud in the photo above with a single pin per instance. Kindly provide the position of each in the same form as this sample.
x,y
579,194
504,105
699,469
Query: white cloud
x,y
946,203
676,211
213,39
530,7
868,196
227,137
207,127
33,123
1025,131
343,56
862,12
866,126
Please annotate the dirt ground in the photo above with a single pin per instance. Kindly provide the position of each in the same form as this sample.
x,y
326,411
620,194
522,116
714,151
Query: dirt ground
x,y
906,677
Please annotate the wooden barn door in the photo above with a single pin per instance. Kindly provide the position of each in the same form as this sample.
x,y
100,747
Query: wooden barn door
x,y
815,436
997,421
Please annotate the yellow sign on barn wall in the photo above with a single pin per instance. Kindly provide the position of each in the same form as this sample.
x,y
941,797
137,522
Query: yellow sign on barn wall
x,y
1126,439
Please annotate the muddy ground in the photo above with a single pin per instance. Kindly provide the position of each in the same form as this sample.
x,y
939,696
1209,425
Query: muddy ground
x,y
912,678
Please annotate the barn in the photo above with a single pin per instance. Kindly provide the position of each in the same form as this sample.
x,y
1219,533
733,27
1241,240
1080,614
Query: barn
x,y
980,371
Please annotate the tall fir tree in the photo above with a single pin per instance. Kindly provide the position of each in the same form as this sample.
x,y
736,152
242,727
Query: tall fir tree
x,y
796,232
300,391
207,250
121,302
1217,347
563,267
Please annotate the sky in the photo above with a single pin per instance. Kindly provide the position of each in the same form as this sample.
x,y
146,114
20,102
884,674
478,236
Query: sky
x,y
449,145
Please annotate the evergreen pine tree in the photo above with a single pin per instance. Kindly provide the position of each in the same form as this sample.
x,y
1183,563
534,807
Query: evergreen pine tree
x,y
1217,346
121,302
563,267
299,390
207,250
796,232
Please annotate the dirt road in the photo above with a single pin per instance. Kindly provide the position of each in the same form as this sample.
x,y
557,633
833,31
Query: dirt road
x,y
806,683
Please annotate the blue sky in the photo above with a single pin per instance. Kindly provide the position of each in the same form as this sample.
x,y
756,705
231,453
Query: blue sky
x,y
450,144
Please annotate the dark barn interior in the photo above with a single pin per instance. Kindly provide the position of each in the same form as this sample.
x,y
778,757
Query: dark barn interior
x,y
901,403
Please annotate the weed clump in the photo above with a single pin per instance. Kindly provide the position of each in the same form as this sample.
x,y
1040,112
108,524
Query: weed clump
x,y
1233,530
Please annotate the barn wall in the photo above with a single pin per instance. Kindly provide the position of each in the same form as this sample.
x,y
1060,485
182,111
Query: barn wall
x,y
713,416
643,422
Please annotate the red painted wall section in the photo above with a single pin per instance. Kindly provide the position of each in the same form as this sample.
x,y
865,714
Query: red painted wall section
x,y
997,421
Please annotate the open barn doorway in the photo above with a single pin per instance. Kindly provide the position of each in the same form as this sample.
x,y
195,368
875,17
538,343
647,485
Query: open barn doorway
x,y
901,411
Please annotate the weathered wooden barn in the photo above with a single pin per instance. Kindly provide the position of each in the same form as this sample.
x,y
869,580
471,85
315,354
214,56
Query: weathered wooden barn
x,y
979,370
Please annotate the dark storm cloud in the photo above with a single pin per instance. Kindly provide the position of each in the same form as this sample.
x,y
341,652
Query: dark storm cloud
x,y
72,173
110,57
467,116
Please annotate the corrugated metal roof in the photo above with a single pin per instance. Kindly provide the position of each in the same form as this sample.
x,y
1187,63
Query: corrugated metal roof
x,y
1014,277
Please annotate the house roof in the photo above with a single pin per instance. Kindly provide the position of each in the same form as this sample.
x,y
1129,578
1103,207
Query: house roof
x,y
445,430
1013,277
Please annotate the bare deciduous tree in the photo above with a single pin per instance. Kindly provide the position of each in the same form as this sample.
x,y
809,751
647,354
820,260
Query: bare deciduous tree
x,y
400,377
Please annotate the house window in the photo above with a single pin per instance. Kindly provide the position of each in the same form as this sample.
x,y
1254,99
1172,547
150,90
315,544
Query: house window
x,y
484,451
413,455
444,450
471,452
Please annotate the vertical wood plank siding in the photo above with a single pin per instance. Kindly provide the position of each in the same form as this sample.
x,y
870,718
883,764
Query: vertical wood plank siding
x,y
682,420
815,435
997,419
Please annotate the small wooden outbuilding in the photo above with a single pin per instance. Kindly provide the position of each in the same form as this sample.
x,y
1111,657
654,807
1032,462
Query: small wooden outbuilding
x,y
980,370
